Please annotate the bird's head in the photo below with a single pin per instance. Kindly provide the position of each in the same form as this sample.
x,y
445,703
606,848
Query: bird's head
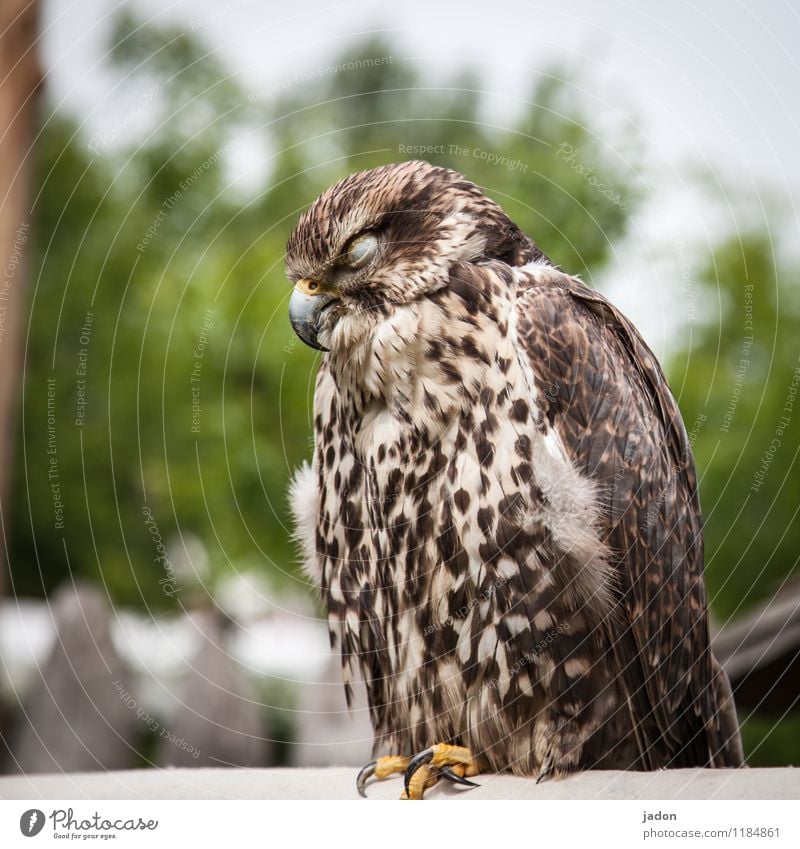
x,y
387,237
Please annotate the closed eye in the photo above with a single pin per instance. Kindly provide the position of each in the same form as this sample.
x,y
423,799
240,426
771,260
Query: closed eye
x,y
360,250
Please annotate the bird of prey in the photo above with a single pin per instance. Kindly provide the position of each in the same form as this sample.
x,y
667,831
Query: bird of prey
x,y
501,513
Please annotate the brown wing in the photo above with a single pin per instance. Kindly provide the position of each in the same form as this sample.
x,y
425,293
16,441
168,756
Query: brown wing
x,y
603,391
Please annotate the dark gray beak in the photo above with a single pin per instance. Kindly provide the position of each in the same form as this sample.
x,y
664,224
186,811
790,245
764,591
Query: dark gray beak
x,y
305,312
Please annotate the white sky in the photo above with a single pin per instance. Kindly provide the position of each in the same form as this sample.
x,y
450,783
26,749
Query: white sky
x,y
714,83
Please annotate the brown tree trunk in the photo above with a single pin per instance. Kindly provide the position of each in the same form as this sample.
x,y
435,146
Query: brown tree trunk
x,y
20,77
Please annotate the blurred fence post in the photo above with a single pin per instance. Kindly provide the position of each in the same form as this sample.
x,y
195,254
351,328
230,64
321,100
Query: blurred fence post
x,y
78,715
20,76
217,720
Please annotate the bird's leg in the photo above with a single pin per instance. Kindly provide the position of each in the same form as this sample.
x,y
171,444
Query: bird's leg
x,y
440,761
381,768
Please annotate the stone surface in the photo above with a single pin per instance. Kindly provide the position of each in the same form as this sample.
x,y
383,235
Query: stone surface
x,y
339,783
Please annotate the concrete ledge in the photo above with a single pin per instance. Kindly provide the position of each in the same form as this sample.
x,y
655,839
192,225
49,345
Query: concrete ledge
x,y
339,783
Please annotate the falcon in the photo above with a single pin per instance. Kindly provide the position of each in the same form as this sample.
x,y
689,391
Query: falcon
x,y
501,513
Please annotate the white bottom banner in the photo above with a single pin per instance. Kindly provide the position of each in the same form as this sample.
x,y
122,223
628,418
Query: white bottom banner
x,y
393,824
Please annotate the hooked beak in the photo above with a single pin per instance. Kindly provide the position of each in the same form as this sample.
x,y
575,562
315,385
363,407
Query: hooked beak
x,y
305,311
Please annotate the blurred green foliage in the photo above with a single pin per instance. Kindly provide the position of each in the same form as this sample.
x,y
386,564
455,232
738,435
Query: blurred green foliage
x,y
153,238
770,740
738,378
176,269
738,382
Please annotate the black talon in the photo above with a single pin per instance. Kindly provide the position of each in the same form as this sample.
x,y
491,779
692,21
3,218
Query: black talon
x,y
456,779
546,770
414,764
361,779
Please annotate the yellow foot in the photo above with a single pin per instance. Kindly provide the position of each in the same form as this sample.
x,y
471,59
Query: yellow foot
x,y
380,768
440,761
